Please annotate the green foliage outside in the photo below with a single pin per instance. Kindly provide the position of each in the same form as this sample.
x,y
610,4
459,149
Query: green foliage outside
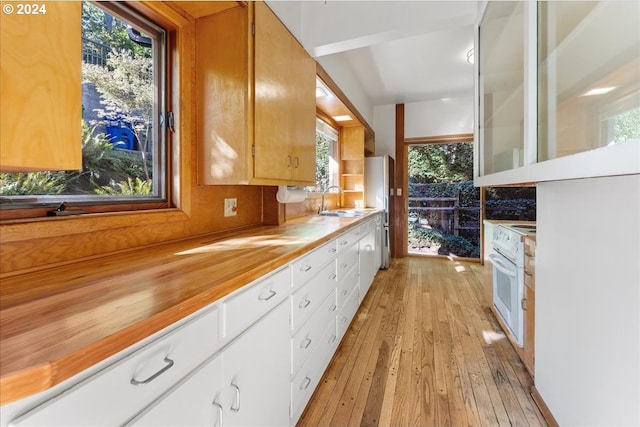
x,y
443,171
323,144
102,166
102,28
626,126
126,89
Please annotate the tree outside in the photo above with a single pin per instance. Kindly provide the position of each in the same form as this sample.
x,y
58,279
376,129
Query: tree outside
x,y
444,206
123,79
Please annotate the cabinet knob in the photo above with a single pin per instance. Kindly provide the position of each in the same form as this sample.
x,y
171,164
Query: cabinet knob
x,y
306,343
305,268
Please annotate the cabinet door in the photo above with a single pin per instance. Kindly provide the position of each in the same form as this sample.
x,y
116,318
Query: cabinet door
x,y
256,373
41,103
273,122
367,257
284,103
302,110
223,109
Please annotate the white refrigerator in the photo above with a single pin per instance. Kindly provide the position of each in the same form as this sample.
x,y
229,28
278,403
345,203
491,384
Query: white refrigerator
x,y
379,172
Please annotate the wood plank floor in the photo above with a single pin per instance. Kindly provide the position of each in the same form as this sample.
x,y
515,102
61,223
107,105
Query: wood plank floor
x,y
424,350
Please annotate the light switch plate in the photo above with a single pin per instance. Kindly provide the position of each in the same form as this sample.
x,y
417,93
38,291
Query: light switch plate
x,y
230,207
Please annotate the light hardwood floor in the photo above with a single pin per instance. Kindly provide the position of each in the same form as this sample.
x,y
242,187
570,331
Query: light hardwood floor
x,y
424,350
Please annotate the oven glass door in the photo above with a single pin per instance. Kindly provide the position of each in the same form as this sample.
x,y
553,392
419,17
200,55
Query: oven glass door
x,y
506,294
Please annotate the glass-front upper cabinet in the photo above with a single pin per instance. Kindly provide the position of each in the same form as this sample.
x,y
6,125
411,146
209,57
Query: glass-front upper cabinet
x,y
588,76
501,79
557,90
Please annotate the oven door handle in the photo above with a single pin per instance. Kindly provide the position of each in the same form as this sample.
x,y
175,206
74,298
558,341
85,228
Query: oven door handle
x,y
501,266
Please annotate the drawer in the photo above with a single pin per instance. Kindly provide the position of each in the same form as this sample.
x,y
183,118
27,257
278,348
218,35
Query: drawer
x,y
347,312
347,259
307,299
307,266
118,392
349,282
255,300
305,381
347,239
190,402
308,339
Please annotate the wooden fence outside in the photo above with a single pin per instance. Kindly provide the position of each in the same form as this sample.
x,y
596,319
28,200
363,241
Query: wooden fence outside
x,y
449,209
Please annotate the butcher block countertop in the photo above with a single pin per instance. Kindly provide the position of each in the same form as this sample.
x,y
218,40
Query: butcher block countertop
x,y
55,323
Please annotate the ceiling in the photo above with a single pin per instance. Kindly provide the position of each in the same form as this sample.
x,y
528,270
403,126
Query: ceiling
x,y
396,51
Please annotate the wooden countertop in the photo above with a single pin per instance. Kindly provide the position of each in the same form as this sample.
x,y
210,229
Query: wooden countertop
x,y
57,322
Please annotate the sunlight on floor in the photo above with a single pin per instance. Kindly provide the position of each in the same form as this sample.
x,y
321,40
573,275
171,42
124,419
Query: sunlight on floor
x,y
491,336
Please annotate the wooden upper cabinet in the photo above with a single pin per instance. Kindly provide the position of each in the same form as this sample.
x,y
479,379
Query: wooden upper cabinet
x,y
256,100
41,88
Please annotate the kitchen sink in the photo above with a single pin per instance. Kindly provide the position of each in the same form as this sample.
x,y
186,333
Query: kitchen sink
x,y
347,213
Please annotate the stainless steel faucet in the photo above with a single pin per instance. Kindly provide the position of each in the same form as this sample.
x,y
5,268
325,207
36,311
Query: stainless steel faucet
x,y
322,206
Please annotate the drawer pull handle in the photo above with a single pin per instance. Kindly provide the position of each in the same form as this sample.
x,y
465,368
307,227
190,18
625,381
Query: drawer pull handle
x,y
332,276
332,339
332,250
306,343
344,242
272,294
305,383
169,364
345,265
344,292
305,268
304,304
344,320
333,307
236,405
219,408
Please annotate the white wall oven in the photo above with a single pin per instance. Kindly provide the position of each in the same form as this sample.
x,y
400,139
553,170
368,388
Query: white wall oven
x,y
507,259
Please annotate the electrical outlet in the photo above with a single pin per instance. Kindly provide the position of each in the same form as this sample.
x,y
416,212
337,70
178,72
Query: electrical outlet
x,y
230,207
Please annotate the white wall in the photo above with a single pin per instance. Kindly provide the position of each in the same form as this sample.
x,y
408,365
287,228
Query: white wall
x,y
428,118
588,300
438,117
384,125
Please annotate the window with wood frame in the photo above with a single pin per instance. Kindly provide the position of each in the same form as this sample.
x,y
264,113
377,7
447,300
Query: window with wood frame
x,y
123,129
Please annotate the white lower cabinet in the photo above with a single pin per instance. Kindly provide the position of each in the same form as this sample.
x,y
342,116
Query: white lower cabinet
x,y
191,403
252,359
116,393
368,252
306,380
246,384
256,374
